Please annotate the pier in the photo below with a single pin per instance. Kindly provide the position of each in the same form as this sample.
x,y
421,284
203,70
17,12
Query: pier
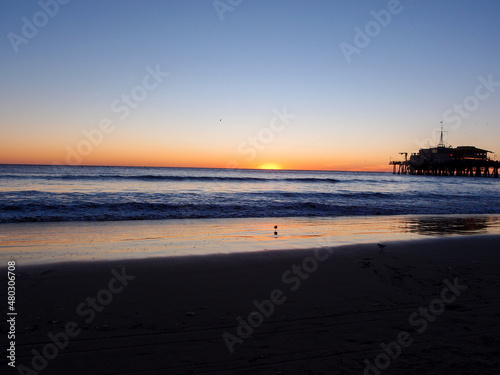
x,y
472,168
448,161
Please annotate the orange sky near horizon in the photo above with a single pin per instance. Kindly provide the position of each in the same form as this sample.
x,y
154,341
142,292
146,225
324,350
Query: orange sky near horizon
x,y
157,155
169,161
131,144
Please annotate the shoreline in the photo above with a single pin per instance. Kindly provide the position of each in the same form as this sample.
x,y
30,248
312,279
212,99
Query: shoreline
x,y
330,311
434,242
35,243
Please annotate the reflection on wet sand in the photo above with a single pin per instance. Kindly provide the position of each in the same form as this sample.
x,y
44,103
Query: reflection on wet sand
x,y
447,225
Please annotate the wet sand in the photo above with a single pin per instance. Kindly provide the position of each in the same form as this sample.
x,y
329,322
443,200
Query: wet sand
x,y
434,304
37,243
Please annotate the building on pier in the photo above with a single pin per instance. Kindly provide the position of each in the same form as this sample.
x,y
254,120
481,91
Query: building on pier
x,y
448,161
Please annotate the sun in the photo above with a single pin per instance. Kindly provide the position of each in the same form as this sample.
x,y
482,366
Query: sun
x,y
270,166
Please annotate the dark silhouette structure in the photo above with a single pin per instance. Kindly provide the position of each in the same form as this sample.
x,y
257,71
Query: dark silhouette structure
x,y
448,161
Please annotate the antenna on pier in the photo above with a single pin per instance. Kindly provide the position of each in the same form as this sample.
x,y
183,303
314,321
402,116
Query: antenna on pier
x,y
441,140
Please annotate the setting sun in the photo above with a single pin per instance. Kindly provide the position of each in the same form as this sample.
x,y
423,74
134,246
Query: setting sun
x,y
270,166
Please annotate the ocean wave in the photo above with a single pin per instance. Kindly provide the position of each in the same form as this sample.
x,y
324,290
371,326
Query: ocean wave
x,y
34,193
77,177
103,207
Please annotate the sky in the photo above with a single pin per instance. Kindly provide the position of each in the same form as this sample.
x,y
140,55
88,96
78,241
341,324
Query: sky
x,y
328,85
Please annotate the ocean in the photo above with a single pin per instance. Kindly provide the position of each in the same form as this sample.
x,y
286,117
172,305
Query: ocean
x,y
69,193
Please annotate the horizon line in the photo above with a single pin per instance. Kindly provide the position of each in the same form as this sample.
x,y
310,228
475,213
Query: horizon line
x,y
148,166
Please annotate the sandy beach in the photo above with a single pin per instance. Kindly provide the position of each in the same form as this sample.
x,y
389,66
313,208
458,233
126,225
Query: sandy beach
x,y
426,306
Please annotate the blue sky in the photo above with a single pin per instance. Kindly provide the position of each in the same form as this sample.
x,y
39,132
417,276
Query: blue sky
x,y
263,56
